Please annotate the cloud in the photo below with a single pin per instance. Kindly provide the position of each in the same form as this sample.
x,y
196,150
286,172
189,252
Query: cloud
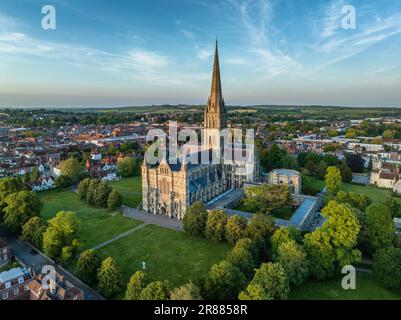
x,y
204,53
339,45
138,63
148,60
256,18
188,34
331,22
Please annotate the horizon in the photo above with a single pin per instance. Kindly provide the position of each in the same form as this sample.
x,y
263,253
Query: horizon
x,y
141,54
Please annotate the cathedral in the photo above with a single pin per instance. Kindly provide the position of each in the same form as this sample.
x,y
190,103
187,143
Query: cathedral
x,y
169,189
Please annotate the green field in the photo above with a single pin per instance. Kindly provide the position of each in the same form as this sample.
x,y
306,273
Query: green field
x,y
95,225
130,190
376,194
168,254
366,289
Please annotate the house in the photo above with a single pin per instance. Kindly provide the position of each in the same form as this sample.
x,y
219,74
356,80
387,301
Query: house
x,y
386,175
14,283
5,251
288,177
60,289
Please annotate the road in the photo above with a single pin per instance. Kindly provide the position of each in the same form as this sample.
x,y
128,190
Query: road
x,y
20,249
159,220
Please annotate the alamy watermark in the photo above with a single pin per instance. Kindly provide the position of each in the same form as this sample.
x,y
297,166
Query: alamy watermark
x,y
348,21
49,279
349,280
49,20
212,146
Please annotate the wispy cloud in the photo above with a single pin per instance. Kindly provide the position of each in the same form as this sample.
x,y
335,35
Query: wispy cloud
x,y
204,53
257,19
331,22
138,63
339,45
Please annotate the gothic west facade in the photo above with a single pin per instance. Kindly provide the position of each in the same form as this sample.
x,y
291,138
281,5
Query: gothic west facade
x,y
169,189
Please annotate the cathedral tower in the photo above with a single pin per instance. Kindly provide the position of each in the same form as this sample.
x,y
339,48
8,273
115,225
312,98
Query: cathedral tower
x,y
215,113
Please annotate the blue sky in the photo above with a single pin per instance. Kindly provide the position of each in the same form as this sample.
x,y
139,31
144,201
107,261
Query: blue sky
x,y
118,53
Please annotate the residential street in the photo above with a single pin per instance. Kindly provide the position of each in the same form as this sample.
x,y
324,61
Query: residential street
x,y
20,249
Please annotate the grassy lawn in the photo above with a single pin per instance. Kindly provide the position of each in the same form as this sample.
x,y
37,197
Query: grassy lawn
x,y
376,194
169,255
243,207
366,289
283,213
95,225
130,190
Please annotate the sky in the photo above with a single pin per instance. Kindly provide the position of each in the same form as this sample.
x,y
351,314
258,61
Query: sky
x,y
143,52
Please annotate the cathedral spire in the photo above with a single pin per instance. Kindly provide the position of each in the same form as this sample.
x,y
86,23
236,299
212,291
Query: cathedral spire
x,y
215,113
216,95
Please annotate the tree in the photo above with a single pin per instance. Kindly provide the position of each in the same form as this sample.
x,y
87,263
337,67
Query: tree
x,y
63,182
88,264
380,229
114,200
60,233
35,175
356,163
109,276
351,134
370,165
333,179
276,158
71,168
294,261
388,134
33,231
235,228
67,253
387,268
279,236
308,156
127,167
91,191
320,170
136,284
157,290
270,282
394,206
243,260
83,188
250,246
216,225
260,227
195,219
8,186
188,291
27,177
265,198
330,147
333,246
20,207
101,195
357,200
346,173
320,254
223,282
